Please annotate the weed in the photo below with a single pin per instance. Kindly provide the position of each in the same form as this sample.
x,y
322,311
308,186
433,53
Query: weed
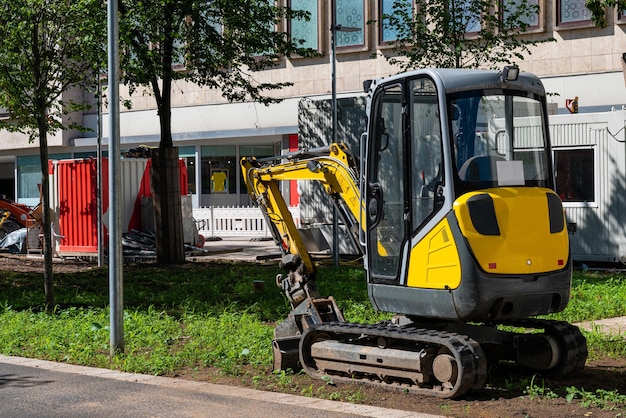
x,y
328,380
535,391
604,399
307,391
256,381
285,379
334,396
356,397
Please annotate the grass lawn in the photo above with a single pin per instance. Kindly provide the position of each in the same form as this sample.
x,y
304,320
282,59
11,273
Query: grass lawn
x,y
211,316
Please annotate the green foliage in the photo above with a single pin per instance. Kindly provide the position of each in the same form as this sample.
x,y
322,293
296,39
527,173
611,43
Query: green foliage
x,y
602,345
217,43
46,48
598,9
604,399
534,390
595,296
460,34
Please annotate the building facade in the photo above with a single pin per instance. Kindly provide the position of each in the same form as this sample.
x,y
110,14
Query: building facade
x,y
585,62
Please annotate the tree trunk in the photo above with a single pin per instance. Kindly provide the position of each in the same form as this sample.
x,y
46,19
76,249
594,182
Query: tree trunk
x,y
167,206
47,221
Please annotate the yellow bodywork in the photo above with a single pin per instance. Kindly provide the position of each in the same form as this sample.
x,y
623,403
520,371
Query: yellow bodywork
x,y
525,244
434,261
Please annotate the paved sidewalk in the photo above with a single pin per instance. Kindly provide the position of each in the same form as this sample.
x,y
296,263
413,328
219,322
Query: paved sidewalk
x,y
611,326
237,249
43,389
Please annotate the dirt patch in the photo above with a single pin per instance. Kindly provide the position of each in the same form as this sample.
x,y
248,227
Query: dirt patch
x,y
505,395
34,264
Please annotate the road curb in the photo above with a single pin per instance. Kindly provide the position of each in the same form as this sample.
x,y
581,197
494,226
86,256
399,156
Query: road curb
x,y
223,390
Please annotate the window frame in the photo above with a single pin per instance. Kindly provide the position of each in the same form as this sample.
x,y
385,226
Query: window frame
x,y
560,25
595,158
474,34
540,26
340,49
320,20
380,26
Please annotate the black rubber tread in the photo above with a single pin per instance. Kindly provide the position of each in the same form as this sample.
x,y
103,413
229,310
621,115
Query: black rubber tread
x,y
468,355
7,227
573,344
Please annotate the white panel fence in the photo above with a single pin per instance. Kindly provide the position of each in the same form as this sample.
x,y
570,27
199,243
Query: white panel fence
x,y
235,221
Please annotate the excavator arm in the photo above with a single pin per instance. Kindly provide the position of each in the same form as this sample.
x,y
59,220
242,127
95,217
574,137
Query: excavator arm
x,y
334,167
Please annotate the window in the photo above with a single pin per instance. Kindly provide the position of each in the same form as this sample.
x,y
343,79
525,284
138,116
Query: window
x,y
572,11
219,169
467,14
350,14
400,9
189,154
499,140
575,180
528,11
426,149
29,177
308,31
386,184
178,58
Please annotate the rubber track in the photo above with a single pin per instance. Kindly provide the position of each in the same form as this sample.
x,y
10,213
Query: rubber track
x,y
469,356
572,340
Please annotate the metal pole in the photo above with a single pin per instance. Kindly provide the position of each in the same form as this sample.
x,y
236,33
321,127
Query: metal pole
x,y
333,33
116,279
99,170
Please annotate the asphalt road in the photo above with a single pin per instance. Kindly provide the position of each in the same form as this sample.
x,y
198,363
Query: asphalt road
x,y
34,388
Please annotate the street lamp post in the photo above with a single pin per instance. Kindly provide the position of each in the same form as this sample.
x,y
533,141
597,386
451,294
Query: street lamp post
x,y
334,28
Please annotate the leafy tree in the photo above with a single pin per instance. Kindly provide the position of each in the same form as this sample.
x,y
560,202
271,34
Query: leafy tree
x,y
459,33
598,9
219,44
47,48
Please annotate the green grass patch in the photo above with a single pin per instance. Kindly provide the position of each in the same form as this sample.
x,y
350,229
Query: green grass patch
x,y
595,296
200,315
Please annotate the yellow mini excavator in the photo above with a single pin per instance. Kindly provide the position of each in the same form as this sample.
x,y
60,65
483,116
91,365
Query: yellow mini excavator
x,y
452,202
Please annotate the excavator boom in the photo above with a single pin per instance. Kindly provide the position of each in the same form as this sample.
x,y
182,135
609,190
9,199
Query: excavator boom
x,y
335,168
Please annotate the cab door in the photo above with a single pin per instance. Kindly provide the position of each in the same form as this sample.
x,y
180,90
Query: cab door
x,y
405,174
385,190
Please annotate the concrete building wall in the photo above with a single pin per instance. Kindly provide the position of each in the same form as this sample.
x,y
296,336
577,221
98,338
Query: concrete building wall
x,y
584,62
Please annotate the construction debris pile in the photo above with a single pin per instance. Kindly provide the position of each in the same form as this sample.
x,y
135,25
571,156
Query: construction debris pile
x,y
143,244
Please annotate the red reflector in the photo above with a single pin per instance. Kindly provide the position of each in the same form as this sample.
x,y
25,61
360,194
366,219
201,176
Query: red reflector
x,y
560,262
492,265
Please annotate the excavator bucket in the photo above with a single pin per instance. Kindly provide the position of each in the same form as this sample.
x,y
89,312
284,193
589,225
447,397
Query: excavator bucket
x,y
287,353
287,334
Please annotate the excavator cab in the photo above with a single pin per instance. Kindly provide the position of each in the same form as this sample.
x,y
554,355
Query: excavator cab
x,y
462,221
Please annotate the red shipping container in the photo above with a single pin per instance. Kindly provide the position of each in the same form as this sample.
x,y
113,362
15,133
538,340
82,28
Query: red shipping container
x,y
77,203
